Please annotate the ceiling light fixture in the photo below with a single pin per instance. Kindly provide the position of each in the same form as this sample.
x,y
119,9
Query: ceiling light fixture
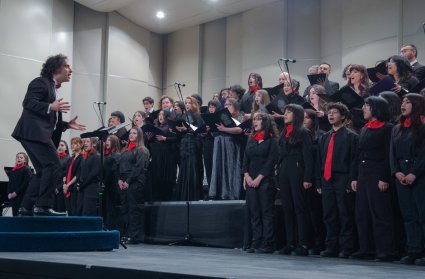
x,y
160,14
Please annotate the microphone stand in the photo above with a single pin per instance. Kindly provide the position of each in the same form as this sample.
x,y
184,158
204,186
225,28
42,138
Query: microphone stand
x,y
287,69
188,239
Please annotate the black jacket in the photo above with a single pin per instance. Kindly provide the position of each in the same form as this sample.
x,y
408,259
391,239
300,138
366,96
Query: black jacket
x,y
19,180
344,153
35,123
89,170
133,165
260,158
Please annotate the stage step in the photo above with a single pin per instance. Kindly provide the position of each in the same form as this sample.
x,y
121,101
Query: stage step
x,y
50,224
52,234
59,241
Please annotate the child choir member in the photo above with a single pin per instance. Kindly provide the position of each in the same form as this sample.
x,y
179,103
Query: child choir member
x,y
19,178
374,216
261,155
314,199
319,105
337,151
110,180
132,182
189,185
59,198
72,173
89,179
407,158
163,166
226,180
295,176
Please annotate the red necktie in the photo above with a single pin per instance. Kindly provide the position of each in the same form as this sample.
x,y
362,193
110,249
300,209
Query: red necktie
x,y
327,174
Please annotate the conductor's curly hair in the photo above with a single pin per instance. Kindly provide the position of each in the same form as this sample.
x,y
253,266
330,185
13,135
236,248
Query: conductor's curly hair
x,y
52,64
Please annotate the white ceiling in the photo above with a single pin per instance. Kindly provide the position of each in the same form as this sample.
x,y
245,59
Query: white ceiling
x,y
178,13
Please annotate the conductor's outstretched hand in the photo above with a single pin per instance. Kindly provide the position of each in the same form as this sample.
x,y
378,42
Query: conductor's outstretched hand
x,y
72,124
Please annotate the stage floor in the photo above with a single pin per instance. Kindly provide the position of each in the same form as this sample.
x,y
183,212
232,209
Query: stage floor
x,y
225,263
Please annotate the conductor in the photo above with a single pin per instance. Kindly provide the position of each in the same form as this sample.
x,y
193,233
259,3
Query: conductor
x,y
39,130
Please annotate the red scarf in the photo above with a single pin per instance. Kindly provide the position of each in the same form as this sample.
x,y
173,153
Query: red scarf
x,y
234,114
408,122
88,152
62,155
109,151
254,88
289,129
258,136
131,145
374,124
68,176
19,166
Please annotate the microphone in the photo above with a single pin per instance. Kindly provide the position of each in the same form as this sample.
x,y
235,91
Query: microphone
x,y
99,103
288,60
180,84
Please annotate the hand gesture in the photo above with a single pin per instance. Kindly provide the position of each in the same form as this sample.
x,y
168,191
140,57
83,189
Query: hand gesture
x,y
72,124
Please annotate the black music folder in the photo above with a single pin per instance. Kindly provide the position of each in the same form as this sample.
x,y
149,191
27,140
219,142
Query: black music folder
x,y
317,78
380,68
385,84
347,96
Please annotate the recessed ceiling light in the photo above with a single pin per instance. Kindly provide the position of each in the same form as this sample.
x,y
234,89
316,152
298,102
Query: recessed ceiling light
x,y
160,14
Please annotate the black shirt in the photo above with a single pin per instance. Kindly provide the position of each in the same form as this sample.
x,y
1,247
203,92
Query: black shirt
x,y
260,157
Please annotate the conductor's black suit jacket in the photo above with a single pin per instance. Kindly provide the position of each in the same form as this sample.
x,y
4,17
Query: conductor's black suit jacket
x,y
36,123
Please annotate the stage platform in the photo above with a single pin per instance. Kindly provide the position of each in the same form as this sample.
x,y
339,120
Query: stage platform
x,y
163,261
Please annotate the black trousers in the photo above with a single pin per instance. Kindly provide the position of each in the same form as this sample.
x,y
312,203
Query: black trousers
x,y
16,203
294,201
338,212
316,227
412,205
45,160
374,216
260,203
133,212
87,200
71,203
111,206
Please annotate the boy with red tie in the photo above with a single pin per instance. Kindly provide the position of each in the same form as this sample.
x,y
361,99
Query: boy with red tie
x,y
337,152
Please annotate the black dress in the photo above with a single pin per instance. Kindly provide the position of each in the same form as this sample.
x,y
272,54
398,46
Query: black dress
x,y
163,166
18,183
89,179
71,198
191,171
112,191
59,197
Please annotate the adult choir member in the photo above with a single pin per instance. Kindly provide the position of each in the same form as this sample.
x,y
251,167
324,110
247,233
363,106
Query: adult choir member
x,y
255,83
191,169
401,72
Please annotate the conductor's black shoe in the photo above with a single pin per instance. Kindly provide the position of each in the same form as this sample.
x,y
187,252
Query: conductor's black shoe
x,y
22,211
46,211
420,261
300,251
328,253
250,250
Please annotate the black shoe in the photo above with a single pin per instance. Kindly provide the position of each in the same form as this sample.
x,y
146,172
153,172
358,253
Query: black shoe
x,y
250,250
420,261
328,253
344,254
287,250
22,211
300,251
409,259
384,258
361,256
265,250
46,211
